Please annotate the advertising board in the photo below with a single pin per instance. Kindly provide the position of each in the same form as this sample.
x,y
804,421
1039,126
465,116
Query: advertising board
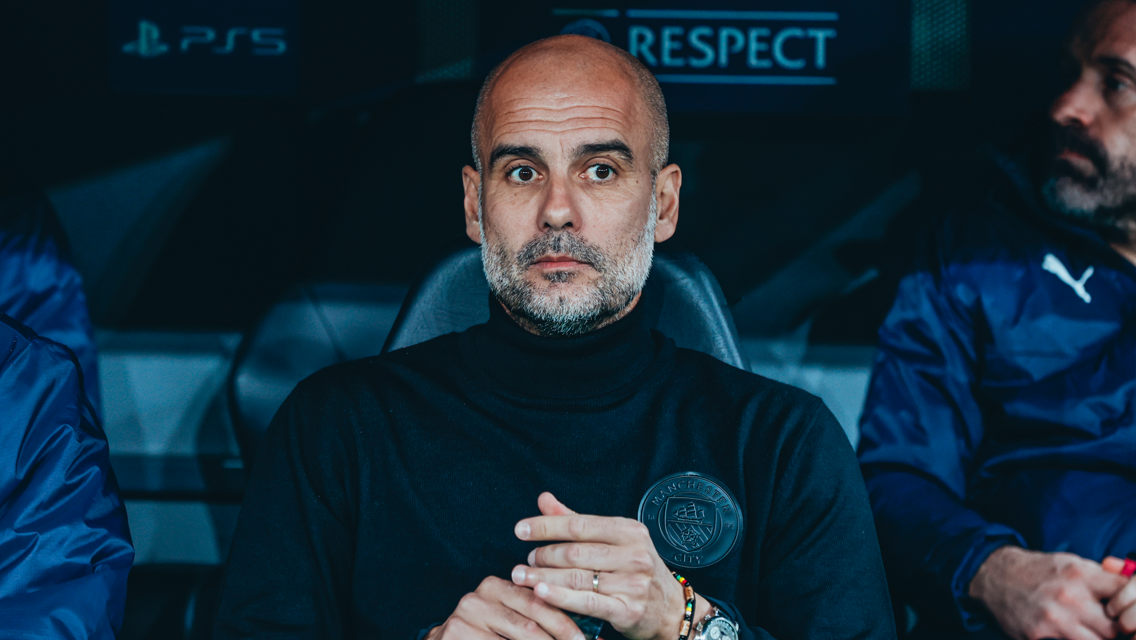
x,y
204,47
847,56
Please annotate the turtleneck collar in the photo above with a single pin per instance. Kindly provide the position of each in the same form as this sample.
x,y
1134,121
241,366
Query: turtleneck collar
x,y
576,367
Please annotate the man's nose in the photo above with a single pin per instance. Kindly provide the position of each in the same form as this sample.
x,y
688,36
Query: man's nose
x,y
559,210
1078,106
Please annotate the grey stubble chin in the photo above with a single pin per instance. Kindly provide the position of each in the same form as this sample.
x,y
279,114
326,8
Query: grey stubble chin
x,y
556,313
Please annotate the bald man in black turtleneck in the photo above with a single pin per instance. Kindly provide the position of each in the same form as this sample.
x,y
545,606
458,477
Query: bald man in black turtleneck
x,y
554,461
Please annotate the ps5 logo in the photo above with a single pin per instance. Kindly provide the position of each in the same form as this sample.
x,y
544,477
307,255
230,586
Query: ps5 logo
x,y
261,41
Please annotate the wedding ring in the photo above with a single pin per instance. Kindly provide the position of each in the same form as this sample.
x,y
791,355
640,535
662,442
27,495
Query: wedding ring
x,y
596,582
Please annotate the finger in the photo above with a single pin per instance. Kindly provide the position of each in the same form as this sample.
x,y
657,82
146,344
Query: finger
x,y
508,623
458,628
1127,620
581,528
1103,584
493,607
575,579
550,506
524,604
1123,599
591,556
1112,564
1094,619
1078,632
584,602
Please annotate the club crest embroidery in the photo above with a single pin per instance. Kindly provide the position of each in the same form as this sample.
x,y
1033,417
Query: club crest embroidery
x,y
694,520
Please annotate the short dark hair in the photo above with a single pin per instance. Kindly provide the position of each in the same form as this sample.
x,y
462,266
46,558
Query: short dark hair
x,y
1083,14
645,81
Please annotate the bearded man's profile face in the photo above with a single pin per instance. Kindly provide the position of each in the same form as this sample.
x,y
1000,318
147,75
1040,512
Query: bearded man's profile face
x,y
1093,170
570,195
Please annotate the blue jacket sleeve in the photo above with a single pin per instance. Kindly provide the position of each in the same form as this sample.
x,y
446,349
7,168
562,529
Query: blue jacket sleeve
x,y
39,285
65,549
920,430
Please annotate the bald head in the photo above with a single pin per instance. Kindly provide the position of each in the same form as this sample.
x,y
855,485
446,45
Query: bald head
x,y
570,192
579,67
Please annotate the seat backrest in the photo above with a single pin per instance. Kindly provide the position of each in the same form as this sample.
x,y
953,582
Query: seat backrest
x,y
683,300
320,324
313,326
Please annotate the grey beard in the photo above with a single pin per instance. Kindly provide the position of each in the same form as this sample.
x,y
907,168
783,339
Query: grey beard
x,y
622,276
1107,203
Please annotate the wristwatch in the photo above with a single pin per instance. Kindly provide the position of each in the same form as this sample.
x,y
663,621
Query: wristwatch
x,y
716,626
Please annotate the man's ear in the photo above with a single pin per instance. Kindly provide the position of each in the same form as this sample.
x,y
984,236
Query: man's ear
x,y
471,179
667,185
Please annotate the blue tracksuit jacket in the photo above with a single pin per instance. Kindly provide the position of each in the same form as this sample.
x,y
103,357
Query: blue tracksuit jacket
x,y
65,549
1002,406
39,286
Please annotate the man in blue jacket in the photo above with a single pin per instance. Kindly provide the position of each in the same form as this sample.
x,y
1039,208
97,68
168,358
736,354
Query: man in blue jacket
x,y
65,550
39,285
999,434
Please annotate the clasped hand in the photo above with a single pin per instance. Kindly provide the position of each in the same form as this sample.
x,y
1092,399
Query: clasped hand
x,y
1121,607
637,594
1036,595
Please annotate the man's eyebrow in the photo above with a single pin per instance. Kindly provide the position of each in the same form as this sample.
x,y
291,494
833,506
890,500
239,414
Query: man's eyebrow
x,y
513,151
615,147
1119,64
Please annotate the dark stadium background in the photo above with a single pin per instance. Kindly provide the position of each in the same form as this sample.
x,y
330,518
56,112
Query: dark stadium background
x,y
191,212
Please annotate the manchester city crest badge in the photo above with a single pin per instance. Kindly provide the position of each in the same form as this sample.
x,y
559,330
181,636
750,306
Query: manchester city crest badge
x,y
694,519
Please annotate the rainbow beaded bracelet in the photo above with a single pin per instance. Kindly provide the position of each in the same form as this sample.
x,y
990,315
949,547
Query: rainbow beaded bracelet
x,y
688,615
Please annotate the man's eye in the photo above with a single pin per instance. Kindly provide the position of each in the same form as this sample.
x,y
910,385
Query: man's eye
x,y
600,172
523,174
1113,83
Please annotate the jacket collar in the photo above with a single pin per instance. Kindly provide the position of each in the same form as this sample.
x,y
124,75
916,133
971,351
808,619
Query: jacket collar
x,y
1020,174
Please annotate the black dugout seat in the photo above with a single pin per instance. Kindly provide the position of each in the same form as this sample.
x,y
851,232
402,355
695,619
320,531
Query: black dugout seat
x,y
312,326
682,299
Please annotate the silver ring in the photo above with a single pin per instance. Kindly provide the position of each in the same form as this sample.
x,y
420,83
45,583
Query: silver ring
x,y
596,582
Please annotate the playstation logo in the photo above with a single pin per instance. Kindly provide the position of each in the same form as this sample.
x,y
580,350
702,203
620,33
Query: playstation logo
x,y
149,43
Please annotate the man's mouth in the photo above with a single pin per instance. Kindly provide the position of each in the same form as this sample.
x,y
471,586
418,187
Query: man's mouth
x,y
559,262
1069,154
1079,155
1078,159
1076,166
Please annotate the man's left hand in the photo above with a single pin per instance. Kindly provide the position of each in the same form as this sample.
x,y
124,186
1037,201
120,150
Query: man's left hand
x,y
637,594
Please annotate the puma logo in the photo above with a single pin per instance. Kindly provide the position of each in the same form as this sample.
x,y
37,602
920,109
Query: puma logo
x,y
1054,266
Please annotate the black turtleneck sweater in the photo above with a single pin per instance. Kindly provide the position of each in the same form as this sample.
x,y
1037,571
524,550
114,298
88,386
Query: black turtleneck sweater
x,y
387,488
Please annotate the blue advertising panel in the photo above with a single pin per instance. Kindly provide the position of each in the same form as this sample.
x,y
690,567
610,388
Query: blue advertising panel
x,y
772,56
209,47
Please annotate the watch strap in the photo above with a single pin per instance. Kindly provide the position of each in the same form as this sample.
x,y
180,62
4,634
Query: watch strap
x,y
714,614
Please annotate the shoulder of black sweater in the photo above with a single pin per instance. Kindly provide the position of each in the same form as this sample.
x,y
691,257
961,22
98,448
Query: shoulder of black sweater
x,y
780,415
698,363
342,384
425,356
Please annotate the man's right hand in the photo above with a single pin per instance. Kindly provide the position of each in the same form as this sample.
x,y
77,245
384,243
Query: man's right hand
x,y
1035,595
499,609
